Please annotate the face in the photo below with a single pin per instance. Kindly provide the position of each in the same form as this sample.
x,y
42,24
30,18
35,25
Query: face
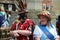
x,y
23,19
43,20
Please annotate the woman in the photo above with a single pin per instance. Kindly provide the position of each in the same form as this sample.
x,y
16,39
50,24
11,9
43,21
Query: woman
x,y
45,30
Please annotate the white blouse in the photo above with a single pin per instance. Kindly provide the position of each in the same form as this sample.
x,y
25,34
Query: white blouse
x,y
39,33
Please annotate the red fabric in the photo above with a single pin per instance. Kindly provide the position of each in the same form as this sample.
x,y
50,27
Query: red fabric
x,y
13,26
23,26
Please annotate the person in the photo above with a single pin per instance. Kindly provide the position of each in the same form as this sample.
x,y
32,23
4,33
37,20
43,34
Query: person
x,y
4,26
45,30
8,15
22,28
3,18
58,25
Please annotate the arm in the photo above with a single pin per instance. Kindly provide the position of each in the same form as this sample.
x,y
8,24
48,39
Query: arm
x,y
37,33
55,32
29,30
23,32
57,37
37,38
12,32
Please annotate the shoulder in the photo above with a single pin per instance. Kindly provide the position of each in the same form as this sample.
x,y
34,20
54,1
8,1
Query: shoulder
x,y
16,21
30,21
53,26
37,28
37,31
4,13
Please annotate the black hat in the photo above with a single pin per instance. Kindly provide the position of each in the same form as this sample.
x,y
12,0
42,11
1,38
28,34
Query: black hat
x,y
23,15
23,12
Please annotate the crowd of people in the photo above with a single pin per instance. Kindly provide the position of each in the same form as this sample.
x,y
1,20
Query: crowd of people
x,y
25,29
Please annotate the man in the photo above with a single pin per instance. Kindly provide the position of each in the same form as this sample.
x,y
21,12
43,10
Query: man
x,y
22,28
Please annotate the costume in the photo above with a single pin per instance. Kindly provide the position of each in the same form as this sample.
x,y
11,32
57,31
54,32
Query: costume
x,y
2,19
45,32
27,25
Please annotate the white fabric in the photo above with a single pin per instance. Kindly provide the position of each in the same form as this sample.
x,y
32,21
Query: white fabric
x,y
38,32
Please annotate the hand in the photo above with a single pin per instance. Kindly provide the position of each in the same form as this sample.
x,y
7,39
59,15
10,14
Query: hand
x,y
57,39
7,28
14,33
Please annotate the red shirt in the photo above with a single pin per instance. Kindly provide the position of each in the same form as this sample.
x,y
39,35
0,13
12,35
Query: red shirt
x,y
27,25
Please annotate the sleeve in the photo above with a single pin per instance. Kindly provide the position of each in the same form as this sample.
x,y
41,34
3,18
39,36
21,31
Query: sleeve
x,y
13,26
31,26
37,32
55,32
31,22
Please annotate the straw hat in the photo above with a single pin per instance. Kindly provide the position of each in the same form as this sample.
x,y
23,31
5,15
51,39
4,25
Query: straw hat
x,y
45,14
